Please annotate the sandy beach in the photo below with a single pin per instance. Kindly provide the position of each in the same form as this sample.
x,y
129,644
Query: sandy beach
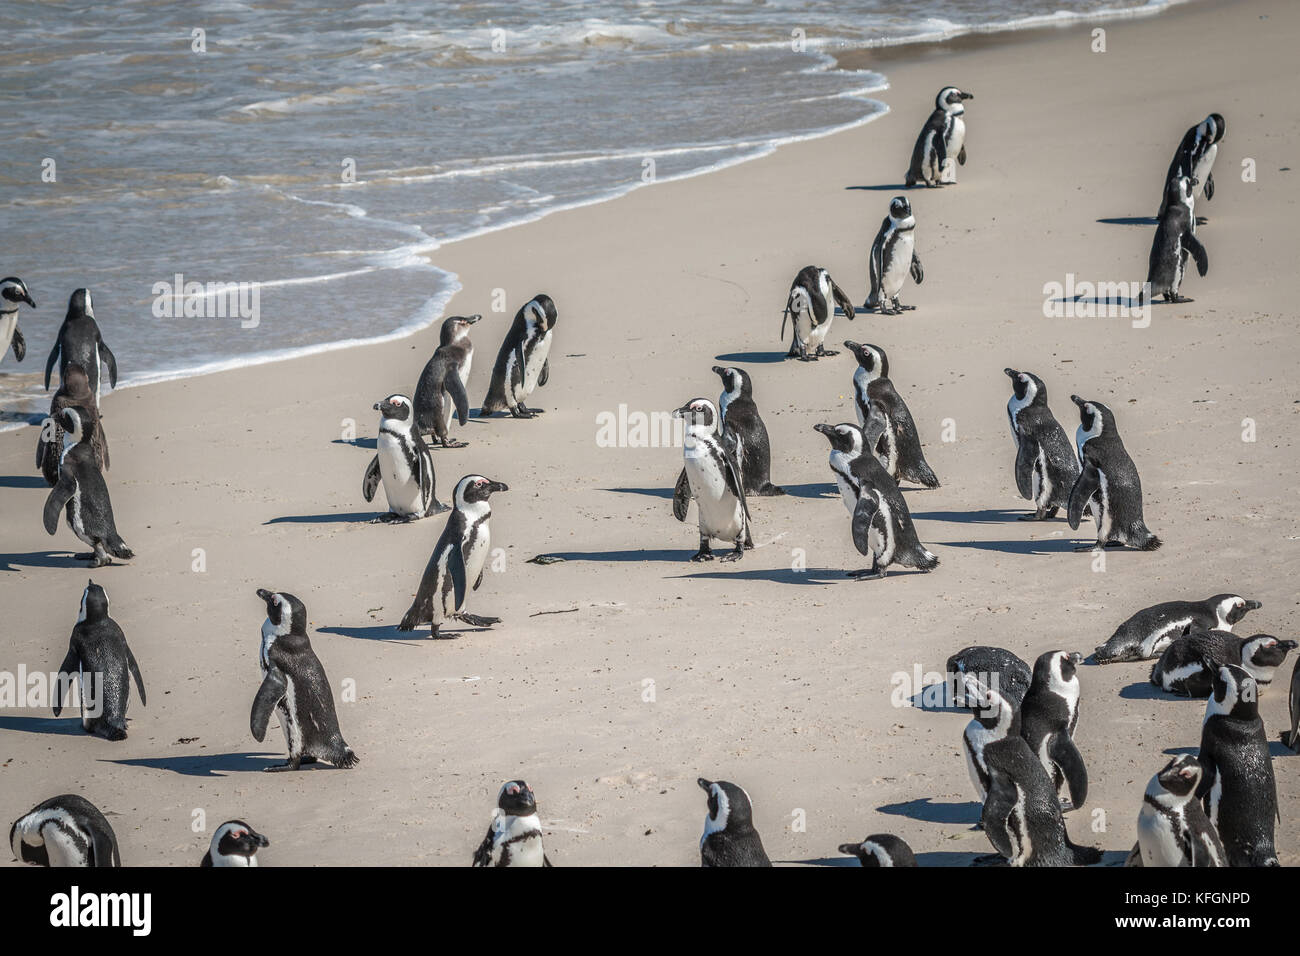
x,y
624,673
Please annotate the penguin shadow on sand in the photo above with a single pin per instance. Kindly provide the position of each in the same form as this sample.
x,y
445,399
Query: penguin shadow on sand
x,y
213,765
1130,221
389,634
370,443
883,188
1062,545
644,554
1120,301
23,481
42,559
1145,690
753,358
333,517
926,810
981,516
786,575
62,726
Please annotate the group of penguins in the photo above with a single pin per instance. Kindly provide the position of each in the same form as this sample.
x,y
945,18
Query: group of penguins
x,y
1217,809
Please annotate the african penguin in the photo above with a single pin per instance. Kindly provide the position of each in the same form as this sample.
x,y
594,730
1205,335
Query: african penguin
x,y
514,837
811,307
900,445
1108,483
1196,154
893,258
67,830
739,416
79,341
74,391
1048,716
712,476
1293,704
1175,237
13,292
295,688
1173,829
234,844
457,562
441,389
521,365
996,667
1188,665
881,849
942,139
1148,632
729,836
403,463
99,655
82,493
1046,465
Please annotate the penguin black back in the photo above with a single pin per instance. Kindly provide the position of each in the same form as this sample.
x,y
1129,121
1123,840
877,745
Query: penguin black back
x,y
729,836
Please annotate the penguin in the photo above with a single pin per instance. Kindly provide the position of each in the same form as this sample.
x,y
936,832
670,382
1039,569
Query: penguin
x,y
404,465
1021,816
881,849
1048,716
79,341
522,365
99,655
66,830
1293,703
514,837
1108,483
900,444
1237,788
234,844
82,493
882,525
811,308
74,391
295,687
893,258
1148,632
1012,675
1173,829
13,292
942,139
1046,465
1175,238
712,476
1188,665
729,836
441,389
739,416
457,562
1195,156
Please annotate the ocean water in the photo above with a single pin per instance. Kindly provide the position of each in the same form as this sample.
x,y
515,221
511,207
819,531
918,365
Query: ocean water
x,y
320,152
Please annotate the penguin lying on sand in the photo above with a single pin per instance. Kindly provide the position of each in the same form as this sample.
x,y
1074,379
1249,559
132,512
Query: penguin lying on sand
x,y
67,830
1148,632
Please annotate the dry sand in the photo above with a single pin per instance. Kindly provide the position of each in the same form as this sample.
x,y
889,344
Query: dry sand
x,y
776,679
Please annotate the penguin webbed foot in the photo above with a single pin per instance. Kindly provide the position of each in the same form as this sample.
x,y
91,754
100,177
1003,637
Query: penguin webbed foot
x,y
737,554
477,620
388,517
452,443
704,554
822,350
292,764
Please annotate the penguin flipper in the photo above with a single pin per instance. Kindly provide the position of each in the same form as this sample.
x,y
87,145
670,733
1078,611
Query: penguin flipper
x,y
105,847
135,672
69,666
999,803
268,696
60,495
106,356
49,362
19,344
1198,253
864,513
732,448
456,568
1085,486
428,481
455,388
543,379
483,855
1066,756
546,861
681,497
918,273
1025,458
961,157
1209,186
371,480
843,301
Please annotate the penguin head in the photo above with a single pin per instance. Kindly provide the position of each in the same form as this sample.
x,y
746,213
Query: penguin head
x,y
94,603
23,851
1220,127
1028,387
285,612
12,291
1236,693
900,210
80,305
395,408
698,413
539,312
516,799
729,807
871,358
235,838
1095,419
735,381
456,328
78,424
1231,608
1057,670
473,489
950,100
880,849
845,438
1264,652
1180,776
988,706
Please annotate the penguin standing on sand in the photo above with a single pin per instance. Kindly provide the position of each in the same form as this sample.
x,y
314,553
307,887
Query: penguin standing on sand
x,y
1048,716
740,418
234,844
514,836
1148,632
1195,156
457,562
403,463
1238,789
893,258
729,836
881,849
82,493
996,667
80,341
99,655
1046,466
1188,665
66,830
74,392
295,688
521,365
1108,483
942,139
441,389
1175,238
900,444
713,478
13,292
811,307
1173,829
1293,704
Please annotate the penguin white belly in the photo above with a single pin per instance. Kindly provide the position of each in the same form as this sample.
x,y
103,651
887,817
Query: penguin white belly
x,y
289,716
400,485
975,738
849,493
8,322
76,520
60,847
930,162
1157,641
1157,839
817,335
880,539
533,364
475,558
1104,518
803,327
1021,846
1042,483
1203,167
719,509
900,260
953,144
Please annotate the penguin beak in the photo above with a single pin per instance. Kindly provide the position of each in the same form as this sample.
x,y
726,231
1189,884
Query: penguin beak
x,y
1078,401
495,486
705,785
257,840
1253,605
385,408
1075,658
471,319
718,370
824,429
968,96
1010,372
850,848
264,594
683,412
29,300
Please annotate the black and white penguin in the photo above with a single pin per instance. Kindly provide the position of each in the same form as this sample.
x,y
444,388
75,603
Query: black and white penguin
x,y
899,445
729,836
74,392
882,524
1175,238
811,308
1238,789
441,389
522,365
79,341
1195,156
712,476
13,293
82,493
99,655
457,562
881,849
1108,483
942,139
1148,632
67,830
1188,665
1173,829
739,416
295,688
1048,716
893,258
514,837
1046,465
996,667
234,844
1293,704
403,463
